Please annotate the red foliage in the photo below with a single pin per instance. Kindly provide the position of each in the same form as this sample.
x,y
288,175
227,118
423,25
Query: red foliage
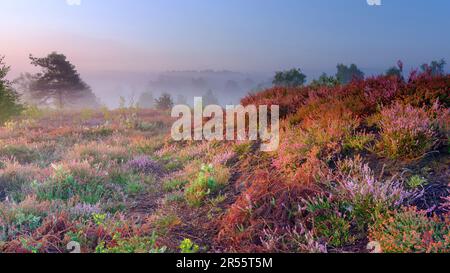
x,y
424,89
267,202
48,238
289,99
316,122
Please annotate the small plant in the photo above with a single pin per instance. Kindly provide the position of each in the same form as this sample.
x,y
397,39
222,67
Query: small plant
x,y
63,186
98,153
134,244
243,149
30,246
14,179
24,154
410,230
208,182
331,221
167,222
416,182
27,221
406,132
358,142
145,165
99,218
187,246
134,187
174,185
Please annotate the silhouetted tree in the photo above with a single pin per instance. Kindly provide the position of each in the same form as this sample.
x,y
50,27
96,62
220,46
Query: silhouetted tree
x,y
346,74
325,80
435,68
164,102
59,83
146,100
289,78
396,71
9,99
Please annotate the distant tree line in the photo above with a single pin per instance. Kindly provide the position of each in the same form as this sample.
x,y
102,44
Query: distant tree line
x,y
346,74
59,85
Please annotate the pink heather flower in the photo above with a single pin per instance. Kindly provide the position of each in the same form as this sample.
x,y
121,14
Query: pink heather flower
x,y
356,180
85,210
145,165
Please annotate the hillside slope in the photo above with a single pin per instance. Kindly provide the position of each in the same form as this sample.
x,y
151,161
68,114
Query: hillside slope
x,y
368,161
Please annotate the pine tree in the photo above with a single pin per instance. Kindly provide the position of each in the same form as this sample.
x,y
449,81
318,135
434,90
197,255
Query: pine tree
x,y
59,83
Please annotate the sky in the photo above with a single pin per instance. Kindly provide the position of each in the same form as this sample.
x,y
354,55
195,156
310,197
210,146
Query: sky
x,y
238,35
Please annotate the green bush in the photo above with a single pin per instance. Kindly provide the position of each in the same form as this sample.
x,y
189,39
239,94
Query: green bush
x,y
416,181
173,185
410,230
9,99
358,142
131,245
208,181
187,246
63,186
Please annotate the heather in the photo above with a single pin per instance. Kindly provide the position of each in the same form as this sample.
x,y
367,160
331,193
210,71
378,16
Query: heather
x,y
358,162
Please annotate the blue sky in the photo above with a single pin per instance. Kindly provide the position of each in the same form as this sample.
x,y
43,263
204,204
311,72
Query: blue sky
x,y
243,35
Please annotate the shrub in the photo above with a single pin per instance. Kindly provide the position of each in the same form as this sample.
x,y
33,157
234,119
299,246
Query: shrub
x,y
174,185
406,132
27,221
146,146
134,244
97,133
187,246
14,179
357,184
24,154
242,149
289,99
9,99
354,197
209,181
289,78
134,187
166,223
314,141
99,153
291,239
424,89
63,186
165,102
330,221
409,230
380,90
358,142
84,210
145,165
82,171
